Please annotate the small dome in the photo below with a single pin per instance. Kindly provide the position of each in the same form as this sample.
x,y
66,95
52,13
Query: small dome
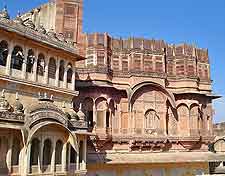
x,y
4,13
18,19
18,107
4,104
74,116
80,114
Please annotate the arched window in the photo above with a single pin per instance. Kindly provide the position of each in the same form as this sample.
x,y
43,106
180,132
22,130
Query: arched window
x,y
15,152
58,152
3,52
61,70
41,64
73,155
81,151
30,61
47,152
69,73
196,122
183,117
102,108
88,110
17,58
35,147
151,120
52,68
3,153
107,118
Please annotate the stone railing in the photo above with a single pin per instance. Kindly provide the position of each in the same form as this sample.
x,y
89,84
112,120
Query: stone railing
x,y
79,124
12,26
12,116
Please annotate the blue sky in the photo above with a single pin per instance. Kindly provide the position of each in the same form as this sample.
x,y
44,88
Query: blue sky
x,y
199,22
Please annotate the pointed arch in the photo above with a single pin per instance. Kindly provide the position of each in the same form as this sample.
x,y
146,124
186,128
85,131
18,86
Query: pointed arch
x,y
30,61
61,70
3,52
17,58
41,64
69,73
52,68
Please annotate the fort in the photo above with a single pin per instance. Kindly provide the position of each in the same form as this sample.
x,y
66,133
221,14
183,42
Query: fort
x,y
90,104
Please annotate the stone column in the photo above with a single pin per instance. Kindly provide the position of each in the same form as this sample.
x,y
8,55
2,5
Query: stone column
x,y
41,156
154,63
57,72
53,158
142,62
64,165
73,79
65,77
120,118
35,67
9,154
69,153
84,154
24,66
28,169
9,59
94,116
78,159
46,70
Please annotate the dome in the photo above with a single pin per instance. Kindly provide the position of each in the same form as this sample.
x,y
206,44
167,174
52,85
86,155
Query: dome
x,y
4,104
74,116
18,107
18,19
80,114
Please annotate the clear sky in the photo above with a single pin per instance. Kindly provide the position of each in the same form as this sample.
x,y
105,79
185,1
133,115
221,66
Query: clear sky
x,y
199,22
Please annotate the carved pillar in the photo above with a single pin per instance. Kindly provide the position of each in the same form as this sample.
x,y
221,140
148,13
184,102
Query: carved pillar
x,y
69,156
53,158
65,78
46,70
142,62
57,72
153,62
94,115
35,66
9,59
28,159
9,153
73,79
84,154
64,165
78,159
120,119
41,156
24,66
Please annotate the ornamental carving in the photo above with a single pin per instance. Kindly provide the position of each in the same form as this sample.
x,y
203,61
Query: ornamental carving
x,y
12,116
46,115
45,111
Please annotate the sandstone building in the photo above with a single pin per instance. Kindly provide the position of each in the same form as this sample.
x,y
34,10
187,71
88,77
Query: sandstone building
x,y
91,104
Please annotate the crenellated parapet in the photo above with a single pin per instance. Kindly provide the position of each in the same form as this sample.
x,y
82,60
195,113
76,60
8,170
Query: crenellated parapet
x,y
138,56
